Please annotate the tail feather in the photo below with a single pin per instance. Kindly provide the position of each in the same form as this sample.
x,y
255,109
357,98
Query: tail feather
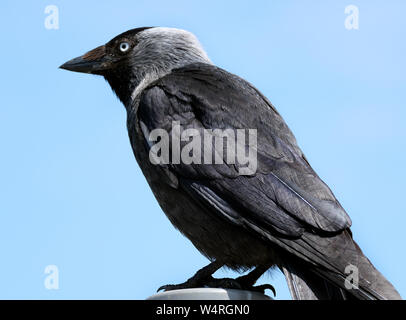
x,y
306,282
304,285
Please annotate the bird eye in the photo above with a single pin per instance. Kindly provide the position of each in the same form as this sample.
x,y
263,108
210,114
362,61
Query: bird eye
x,y
124,46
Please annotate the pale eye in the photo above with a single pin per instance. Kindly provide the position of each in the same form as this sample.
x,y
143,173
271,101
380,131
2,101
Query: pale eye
x,y
124,46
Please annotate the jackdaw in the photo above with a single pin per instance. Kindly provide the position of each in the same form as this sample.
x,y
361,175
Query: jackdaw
x,y
279,215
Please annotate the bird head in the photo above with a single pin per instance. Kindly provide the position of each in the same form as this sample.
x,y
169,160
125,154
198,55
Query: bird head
x,y
139,55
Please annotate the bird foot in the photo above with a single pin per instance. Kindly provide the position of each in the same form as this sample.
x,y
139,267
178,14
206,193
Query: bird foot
x,y
204,278
240,284
224,283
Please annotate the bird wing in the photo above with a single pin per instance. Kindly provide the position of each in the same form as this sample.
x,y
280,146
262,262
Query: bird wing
x,y
284,188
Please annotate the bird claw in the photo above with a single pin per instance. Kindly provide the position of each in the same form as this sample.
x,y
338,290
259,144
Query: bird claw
x,y
263,287
167,287
186,285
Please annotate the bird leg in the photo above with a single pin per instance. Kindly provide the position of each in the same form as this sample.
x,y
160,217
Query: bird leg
x,y
244,282
249,280
200,279
203,278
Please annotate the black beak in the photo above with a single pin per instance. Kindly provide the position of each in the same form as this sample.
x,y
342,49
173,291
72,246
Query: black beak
x,y
95,62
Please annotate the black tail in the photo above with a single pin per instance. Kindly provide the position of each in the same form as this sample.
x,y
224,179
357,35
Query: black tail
x,y
304,285
308,283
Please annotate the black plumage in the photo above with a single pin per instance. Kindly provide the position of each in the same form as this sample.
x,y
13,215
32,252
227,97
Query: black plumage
x,y
284,215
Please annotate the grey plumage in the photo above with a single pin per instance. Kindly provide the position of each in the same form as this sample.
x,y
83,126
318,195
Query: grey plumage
x,y
284,215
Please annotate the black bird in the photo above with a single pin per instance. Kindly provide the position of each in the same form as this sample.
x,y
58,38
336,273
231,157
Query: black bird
x,y
281,215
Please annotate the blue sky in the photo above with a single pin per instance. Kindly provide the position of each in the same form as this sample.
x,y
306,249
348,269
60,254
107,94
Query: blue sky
x,y
71,193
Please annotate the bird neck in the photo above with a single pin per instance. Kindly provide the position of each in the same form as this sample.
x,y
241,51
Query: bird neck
x,y
123,82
